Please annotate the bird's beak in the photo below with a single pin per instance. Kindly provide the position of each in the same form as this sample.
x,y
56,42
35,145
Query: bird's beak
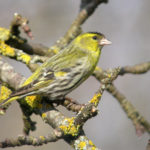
x,y
104,41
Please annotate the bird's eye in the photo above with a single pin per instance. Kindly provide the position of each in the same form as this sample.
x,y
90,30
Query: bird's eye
x,y
94,37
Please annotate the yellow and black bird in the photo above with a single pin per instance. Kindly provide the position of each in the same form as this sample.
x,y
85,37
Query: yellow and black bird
x,y
65,71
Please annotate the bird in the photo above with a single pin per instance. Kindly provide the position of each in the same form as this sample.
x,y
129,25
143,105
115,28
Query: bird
x,y
65,71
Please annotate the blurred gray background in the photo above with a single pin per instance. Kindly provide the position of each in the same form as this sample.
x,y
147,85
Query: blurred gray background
x,y
127,24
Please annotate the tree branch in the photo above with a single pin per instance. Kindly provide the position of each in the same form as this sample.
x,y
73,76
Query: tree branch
x,y
72,133
19,21
136,69
30,140
87,8
49,114
140,123
70,129
9,75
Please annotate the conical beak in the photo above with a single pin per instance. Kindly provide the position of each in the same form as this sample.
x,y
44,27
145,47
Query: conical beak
x,y
104,41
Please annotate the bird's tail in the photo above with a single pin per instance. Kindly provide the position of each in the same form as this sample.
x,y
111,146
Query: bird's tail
x,y
8,100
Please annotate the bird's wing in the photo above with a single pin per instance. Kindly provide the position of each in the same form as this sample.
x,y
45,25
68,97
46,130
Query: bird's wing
x,y
43,79
64,63
28,87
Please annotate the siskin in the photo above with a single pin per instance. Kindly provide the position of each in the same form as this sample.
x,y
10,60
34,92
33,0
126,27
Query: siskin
x,y
65,71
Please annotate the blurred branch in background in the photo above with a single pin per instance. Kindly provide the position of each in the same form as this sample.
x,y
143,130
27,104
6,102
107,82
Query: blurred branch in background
x,y
87,8
148,145
69,129
139,122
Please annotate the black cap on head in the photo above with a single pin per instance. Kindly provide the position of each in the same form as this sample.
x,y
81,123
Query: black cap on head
x,y
97,33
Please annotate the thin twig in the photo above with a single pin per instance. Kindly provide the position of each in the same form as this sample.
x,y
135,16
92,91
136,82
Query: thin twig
x,y
139,121
30,140
87,9
136,69
70,104
19,21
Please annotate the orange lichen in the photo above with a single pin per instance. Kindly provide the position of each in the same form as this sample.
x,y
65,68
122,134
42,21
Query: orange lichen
x,y
68,127
95,99
6,50
94,148
81,145
42,138
44,115
4,93
24,58
91,143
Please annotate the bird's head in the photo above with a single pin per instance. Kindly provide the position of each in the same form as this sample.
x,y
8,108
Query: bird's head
x,y
91,41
